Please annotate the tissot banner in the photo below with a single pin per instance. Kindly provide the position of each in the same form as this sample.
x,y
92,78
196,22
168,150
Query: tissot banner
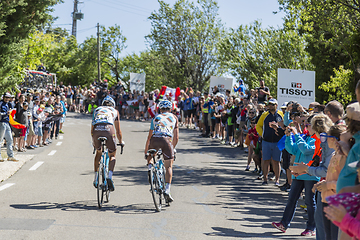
x,y
296,85
137,81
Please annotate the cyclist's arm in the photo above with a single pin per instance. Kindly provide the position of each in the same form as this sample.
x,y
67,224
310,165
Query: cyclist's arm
x,y
117,128
148,141
92,129
176,133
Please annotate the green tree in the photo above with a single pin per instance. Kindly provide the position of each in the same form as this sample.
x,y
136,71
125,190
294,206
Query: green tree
x,y
112,44
252,53
185,37
339,87
17,19
332,31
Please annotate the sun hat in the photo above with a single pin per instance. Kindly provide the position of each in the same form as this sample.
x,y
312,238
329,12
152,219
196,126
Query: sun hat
x,y
353,111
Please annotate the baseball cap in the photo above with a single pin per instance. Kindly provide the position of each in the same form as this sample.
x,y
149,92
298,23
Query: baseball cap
x,y
284,105
36,98
353,111
7,95
273,101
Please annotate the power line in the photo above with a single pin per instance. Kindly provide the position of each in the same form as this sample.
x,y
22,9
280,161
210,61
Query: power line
x,y
102,4
84,30
134,7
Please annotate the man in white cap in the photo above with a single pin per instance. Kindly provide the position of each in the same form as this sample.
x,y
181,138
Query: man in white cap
x,y
270,138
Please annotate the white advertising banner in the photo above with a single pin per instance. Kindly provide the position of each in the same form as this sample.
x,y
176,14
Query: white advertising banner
x,y
137,82
222,83
296,85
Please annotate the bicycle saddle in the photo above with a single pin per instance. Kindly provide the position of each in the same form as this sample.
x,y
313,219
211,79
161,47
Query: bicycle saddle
x,y
102,138
152,151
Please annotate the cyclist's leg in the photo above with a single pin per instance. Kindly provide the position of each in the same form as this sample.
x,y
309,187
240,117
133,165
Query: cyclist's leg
x,y
97,160
168,166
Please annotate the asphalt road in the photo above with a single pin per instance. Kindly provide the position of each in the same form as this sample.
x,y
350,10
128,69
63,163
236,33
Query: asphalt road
x,y
52,197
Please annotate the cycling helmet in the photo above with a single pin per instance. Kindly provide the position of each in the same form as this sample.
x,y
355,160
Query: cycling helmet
x,y
165,104
110,100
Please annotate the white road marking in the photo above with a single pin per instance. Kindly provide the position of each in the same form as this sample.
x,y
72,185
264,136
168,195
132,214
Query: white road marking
x,y
52,152
36,165
59,143
6,186
61,137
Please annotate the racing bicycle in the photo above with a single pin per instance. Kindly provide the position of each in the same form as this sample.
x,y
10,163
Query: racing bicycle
x,y
157,179
103,173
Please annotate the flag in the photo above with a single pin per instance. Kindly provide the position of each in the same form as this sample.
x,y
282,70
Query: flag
x,y
133,104
14,123
172,92
152,110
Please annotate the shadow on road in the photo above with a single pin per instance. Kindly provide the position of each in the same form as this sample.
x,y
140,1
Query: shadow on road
x,y
89,206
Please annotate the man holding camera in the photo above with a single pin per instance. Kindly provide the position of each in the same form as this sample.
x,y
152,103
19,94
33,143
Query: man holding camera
x,y
270,138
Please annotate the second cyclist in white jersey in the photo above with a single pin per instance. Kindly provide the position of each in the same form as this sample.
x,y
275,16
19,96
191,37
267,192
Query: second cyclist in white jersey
x,y
164,134
106,123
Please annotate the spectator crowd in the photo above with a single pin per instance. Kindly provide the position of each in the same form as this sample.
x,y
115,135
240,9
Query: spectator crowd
x,y
317,147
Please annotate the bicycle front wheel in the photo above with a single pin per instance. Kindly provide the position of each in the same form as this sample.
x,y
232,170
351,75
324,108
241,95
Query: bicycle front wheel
x,y
100,186
155,191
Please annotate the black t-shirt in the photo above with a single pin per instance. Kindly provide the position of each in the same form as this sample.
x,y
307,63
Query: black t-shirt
x,y
262,96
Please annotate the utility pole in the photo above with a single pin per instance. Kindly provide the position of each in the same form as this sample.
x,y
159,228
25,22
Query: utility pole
x,y
98,52
73,32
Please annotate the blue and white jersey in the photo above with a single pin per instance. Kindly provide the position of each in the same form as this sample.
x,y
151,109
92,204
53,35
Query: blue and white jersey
x,y
104,114
164,124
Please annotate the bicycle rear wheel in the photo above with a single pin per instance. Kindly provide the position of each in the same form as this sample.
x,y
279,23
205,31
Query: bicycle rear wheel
x,y
100,187
155,190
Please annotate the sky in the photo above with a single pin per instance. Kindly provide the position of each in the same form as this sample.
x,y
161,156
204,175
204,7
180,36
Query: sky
x,y
132,16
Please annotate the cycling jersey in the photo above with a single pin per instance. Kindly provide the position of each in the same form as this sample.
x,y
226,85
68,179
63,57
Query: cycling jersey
x,y
163,124
104,114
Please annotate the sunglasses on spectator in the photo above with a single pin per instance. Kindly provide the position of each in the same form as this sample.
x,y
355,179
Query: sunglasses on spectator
x,y
252,112
271,104
325,136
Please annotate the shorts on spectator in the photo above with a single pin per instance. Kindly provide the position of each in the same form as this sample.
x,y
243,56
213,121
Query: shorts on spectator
x,y
23,132
187,113
141,108
69,101
270,150
62,120
38,131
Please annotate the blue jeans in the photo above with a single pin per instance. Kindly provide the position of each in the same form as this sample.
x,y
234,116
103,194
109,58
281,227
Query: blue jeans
x,y
296,188
5,131
320,229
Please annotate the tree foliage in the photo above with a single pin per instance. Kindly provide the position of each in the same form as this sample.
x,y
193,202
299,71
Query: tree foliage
x,y
339,87
251,53
18,18
332,30
184,37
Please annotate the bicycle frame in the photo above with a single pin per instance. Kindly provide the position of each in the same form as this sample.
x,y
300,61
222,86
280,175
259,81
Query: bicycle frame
x,y
157,179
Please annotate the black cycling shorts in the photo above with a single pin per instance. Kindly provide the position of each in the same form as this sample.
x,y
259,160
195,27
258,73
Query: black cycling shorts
x,y
165,144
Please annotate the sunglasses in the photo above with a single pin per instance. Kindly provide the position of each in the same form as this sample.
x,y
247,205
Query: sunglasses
x,y
325,136
271,104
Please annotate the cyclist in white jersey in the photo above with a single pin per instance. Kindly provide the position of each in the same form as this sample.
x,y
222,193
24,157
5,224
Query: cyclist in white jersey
x,y
106,123
164,134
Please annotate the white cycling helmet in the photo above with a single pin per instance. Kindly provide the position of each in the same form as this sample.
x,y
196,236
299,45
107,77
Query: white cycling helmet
x,y
165,104
110,100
